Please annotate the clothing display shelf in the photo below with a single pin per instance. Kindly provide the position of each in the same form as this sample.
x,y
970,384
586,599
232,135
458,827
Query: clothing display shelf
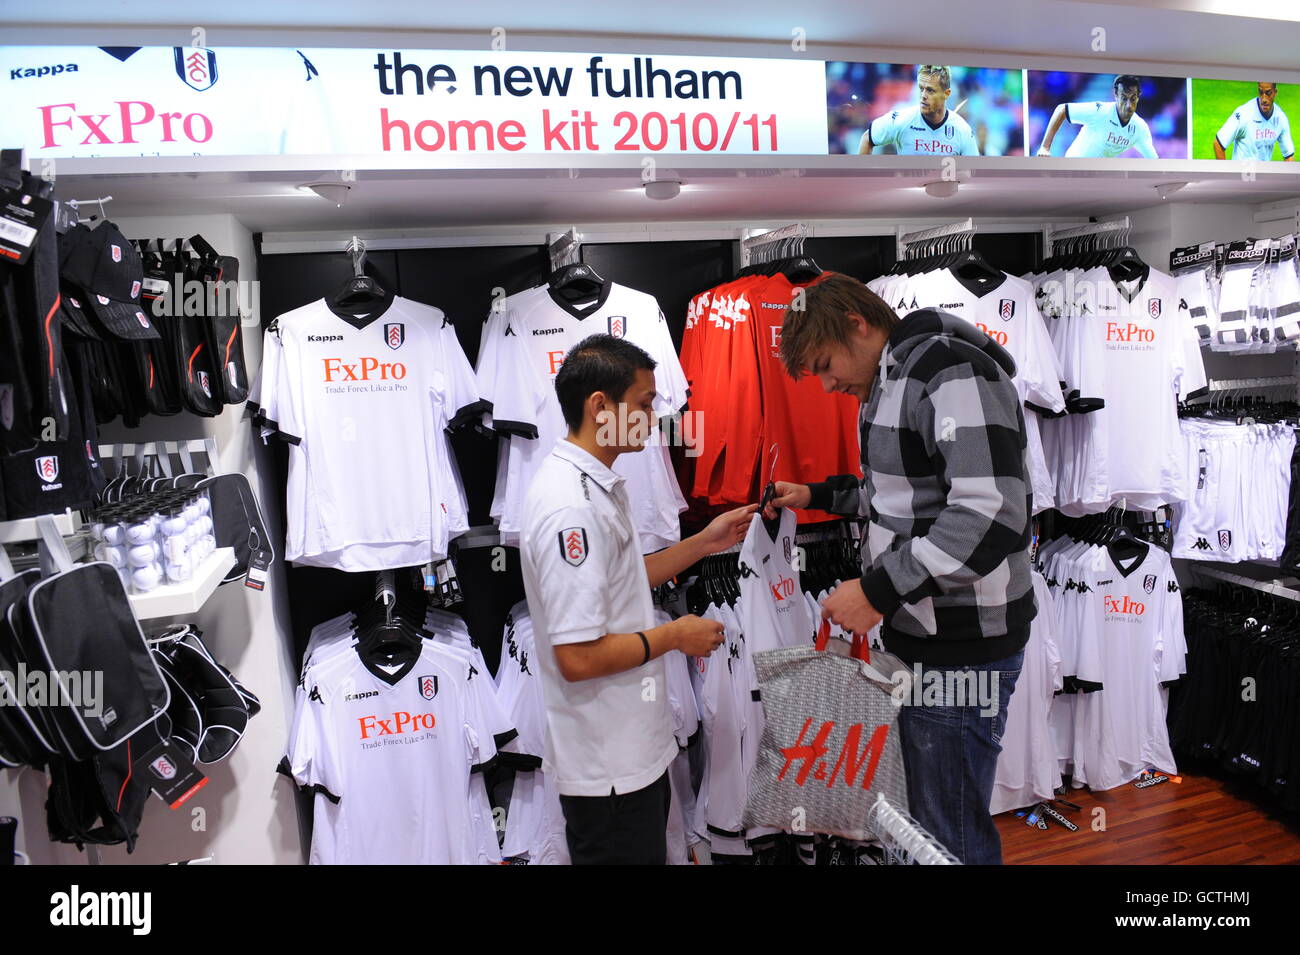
x,y
1054,234
162,452
13,532
763,245
1275,587
904,240
171,600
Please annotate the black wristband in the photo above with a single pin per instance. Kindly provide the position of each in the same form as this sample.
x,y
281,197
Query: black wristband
x,y
646,644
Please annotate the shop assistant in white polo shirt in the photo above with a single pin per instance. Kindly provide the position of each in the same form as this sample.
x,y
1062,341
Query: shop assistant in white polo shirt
x,y
609,733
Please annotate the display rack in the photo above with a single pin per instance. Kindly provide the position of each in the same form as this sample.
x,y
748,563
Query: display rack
x,y
756,245
904,239
1053,234
1275,587
171,600
13,532
904,839
564,248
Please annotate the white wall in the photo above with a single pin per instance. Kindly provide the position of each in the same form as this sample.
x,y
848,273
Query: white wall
x,y
246,813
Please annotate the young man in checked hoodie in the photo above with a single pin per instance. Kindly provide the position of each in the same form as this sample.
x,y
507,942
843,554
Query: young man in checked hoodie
x,y
945,557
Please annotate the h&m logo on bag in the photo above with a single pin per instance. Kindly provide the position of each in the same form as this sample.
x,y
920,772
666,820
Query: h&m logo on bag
x,y
47,468
847,764
1006,308
573,545
395,334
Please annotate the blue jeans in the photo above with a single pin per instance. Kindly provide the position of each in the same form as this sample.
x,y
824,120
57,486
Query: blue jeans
x,y
950,744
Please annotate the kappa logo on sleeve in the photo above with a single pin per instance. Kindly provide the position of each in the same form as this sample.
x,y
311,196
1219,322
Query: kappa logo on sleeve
x,y
573,545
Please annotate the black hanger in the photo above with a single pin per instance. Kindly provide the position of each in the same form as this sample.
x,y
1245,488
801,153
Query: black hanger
x,y
578,282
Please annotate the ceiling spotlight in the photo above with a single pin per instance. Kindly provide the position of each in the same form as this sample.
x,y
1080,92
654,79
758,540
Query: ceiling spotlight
x,y
941,188
663,188
1167,189
335,192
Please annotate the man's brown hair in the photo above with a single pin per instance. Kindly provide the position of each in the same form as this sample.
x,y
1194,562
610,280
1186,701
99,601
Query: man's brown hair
x,y
824,318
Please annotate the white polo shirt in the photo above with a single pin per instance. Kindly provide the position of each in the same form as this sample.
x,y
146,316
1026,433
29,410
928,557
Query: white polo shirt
x,y
584,577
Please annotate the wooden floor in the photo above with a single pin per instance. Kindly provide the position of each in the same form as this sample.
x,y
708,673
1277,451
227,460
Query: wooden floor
x,y
1202,821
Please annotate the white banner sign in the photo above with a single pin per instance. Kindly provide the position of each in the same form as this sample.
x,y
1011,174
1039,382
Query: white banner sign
x,y
416,106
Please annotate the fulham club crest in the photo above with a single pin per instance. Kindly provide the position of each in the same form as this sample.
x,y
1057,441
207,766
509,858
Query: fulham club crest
x,y
1149,583
428,687
394,334
196,66
47,468
116,251
1225,540
1006,308
618,325
573,545
203,383
785,546
163,768
1153,307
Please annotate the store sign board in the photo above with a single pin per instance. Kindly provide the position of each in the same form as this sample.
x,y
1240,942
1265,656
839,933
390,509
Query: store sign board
x,y
471,109
84,102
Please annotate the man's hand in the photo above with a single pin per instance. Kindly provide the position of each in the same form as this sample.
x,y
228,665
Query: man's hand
x,y
787,495
848,607
696,636
727,530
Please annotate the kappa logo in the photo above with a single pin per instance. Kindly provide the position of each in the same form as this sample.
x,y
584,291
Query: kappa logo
x,y
47,468
196,66
1225,540
1201,544
163,768
1149,583
395,334
1006,308
428,687
1153,307
116,251
573,545
618,325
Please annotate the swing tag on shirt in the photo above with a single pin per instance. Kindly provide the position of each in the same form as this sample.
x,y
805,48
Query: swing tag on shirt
x,y
258,564
172,775
22,216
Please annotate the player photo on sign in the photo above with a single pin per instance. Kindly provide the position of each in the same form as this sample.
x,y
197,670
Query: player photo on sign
x,y
1242,121
923,110
1107,115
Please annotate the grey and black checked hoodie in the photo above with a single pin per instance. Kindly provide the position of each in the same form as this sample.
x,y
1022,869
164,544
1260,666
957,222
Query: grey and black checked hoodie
x,y
946,496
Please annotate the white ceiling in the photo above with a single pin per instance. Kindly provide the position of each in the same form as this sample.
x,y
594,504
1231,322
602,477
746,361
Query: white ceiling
x,y
1251,36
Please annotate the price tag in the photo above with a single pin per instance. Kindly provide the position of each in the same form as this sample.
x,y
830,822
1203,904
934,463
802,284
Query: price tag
x,y
21,218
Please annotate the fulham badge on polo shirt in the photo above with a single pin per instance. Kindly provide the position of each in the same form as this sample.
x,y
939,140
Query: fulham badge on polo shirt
x,y
573,545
